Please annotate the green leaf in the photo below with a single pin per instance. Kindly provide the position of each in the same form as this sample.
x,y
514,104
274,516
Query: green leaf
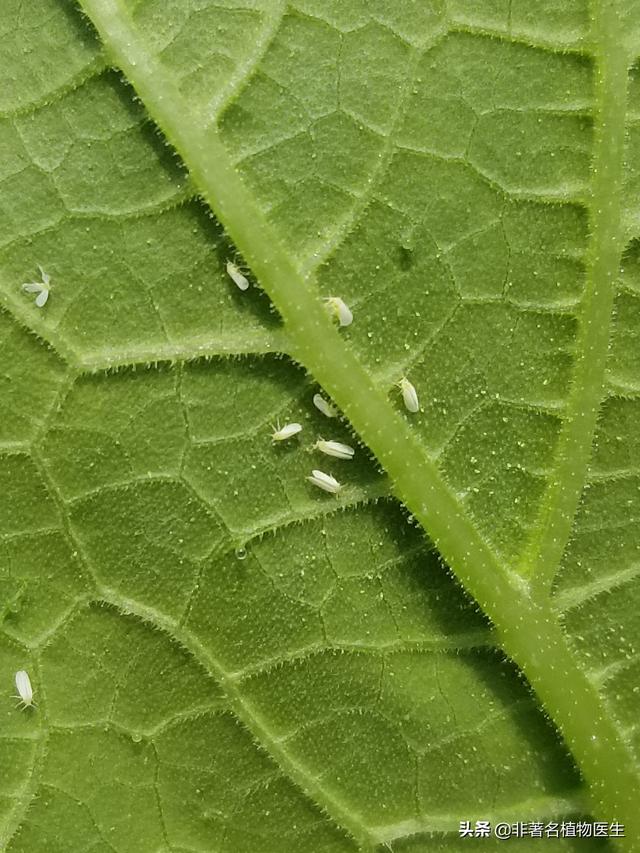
x,y
225,658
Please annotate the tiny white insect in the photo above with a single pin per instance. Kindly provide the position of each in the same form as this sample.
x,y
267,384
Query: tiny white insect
x,y
285,432
325,482
25,691
41,288
323,406
334,448
236,276
339,308
409,395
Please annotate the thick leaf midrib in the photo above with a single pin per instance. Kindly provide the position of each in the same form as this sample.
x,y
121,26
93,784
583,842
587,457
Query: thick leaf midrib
x,y
313,339
529,633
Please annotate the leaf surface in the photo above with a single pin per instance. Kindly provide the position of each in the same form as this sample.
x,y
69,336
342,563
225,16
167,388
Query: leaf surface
x,y
225,658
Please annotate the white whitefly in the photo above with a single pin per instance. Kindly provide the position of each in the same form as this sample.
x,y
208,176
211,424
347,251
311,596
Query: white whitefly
x,y
285,432
25,691
409,395
339,308
236,276
325,407
40,288
334,448
325,482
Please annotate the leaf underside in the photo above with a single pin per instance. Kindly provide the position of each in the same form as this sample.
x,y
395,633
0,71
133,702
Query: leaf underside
x,y
225,658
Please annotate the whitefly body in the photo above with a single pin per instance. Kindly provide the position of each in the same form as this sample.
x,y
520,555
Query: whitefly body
x,y
324,406
25,691
334,448
325,482
285,432
237,277
40,288
338,308
409,395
